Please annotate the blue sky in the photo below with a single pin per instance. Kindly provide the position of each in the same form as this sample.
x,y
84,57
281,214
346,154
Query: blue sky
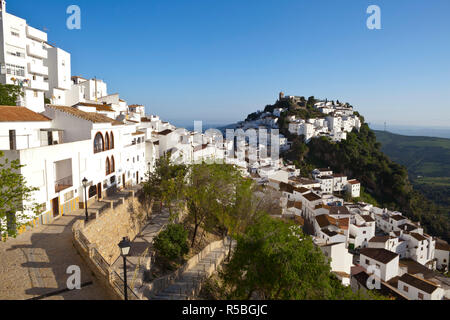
x,y
217,61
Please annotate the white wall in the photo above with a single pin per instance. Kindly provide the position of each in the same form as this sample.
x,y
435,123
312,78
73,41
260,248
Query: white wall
x,y
27,134
387,271
413,293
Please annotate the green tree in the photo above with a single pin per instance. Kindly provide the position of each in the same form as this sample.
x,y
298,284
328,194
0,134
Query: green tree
x,y
171,243
159,186
9,94
275,260
210,188
16,207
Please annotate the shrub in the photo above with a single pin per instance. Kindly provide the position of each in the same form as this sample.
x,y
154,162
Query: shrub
x,y
172,242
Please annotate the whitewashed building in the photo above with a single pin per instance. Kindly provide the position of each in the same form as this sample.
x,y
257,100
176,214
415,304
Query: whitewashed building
x,y
22,55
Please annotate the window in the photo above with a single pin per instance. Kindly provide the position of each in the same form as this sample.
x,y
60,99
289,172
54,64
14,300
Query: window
x,y
98,143
364,232
16,54
367,261
108,166
420,296
405,288
107,141
12,140
35,93
111,141
15,70
112,179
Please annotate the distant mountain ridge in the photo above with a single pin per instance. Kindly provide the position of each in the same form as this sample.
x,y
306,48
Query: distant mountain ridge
x,y
422,156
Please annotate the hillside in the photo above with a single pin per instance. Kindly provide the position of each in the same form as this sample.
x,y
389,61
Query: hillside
x,y
427,160
425,157
385,182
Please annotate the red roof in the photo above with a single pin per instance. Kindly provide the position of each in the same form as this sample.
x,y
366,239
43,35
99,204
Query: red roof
x,y
20,114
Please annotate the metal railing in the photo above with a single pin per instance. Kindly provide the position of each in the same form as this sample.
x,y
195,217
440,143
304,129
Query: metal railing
x,y
63,183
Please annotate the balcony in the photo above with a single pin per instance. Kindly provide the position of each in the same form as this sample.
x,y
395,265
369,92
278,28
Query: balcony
x,y
36,34
37,69
38,85
63,184
37,51
63,175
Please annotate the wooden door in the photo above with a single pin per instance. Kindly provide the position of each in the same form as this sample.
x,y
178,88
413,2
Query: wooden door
x,y
99,190
55,207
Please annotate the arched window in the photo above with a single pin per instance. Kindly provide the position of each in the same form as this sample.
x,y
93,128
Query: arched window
x,y
107,141
108,166
99,144
111,140
113,164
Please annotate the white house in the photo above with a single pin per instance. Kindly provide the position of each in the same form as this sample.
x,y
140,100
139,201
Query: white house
x,y
58,63
416,288
64,145
22,56
380,260
441,253
340,260
354,188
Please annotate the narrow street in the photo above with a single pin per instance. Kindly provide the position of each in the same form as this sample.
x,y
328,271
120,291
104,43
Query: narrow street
x,y
34,264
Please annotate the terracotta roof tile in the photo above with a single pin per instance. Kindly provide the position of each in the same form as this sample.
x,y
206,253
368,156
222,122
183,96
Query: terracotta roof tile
x,y
20,114
89,116
378,254
311,196
418,283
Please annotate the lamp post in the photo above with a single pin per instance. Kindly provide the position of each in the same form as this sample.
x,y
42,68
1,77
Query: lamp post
x,y
124,247
85,184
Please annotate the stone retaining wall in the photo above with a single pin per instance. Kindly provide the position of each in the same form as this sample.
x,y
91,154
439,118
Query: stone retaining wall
x,y
106,231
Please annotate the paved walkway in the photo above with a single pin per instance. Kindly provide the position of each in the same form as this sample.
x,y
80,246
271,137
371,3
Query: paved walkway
x,y
35,263
141,243
191,278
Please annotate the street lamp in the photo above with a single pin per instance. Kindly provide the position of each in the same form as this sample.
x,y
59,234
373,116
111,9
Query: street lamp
x,y
124,247
85,184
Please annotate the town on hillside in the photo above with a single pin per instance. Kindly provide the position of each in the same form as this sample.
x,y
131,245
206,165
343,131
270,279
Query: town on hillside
x,y
78,143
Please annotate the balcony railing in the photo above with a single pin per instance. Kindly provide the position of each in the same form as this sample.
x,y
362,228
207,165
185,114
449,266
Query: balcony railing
x,y
37,51
64,183
36,34
37,69
39,85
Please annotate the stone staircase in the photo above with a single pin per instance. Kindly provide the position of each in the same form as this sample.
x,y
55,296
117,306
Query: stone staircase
x,y
188,284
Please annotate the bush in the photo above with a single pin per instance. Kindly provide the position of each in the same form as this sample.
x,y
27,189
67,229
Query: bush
x,y
172,242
